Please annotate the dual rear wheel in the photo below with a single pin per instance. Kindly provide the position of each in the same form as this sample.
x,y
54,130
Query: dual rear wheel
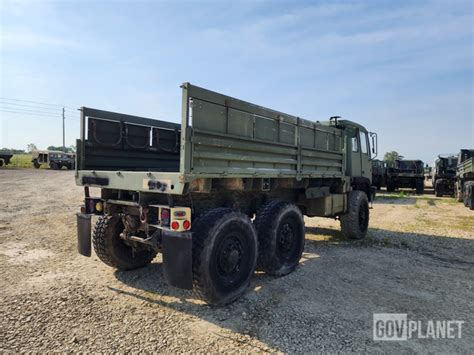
x,y
228,247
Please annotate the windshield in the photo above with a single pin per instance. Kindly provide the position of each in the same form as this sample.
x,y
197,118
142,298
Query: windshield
x,y
409,164
450,162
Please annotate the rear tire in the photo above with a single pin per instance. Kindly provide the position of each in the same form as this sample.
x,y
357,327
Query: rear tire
x,y
420,187
112,250
36,164
355,222
390,187
224,255
281,237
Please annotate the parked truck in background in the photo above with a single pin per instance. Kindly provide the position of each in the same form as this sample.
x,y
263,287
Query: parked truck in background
x,y
406,174
379,172
54,159
221,194
444,175
5,157
465,177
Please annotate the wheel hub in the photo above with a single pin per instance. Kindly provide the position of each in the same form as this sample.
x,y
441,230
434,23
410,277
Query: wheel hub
x,y
230,257
287,237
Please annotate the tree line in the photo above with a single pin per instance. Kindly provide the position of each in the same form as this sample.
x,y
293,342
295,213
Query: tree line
x,y
31,147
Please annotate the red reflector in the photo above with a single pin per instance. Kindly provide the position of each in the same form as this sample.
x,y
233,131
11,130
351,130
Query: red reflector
x,y
186,224
174,225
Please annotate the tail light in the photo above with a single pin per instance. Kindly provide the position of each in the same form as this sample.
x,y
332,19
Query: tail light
x,y
186,224
94,205
165,217
175,225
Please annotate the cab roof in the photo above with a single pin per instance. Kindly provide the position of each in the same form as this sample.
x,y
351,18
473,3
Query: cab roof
x,y
353,124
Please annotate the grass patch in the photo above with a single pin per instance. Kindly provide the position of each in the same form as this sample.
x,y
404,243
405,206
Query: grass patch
x,y
20,161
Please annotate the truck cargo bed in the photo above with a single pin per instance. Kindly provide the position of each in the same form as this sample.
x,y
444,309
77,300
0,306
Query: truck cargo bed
x,y
219,136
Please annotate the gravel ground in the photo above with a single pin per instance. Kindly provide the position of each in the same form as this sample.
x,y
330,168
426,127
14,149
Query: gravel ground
x,y
418,259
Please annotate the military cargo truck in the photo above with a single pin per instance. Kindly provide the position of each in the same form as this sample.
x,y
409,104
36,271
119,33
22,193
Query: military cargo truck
x,y
5,157
378,173
219,195
444,175
54,159
406,174
465,178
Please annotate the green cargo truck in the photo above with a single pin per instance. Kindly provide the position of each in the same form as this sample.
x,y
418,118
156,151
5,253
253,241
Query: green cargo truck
x,y
444,175
379,172
465,177
405,174
221,194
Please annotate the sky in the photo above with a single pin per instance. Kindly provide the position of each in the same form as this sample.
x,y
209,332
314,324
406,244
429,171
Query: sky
x,y
403,69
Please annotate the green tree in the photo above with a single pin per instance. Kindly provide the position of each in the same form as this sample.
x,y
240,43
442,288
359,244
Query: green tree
x,y
390,157
30,147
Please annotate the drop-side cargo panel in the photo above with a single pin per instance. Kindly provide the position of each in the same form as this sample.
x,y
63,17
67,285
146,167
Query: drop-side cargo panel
x,y
236,138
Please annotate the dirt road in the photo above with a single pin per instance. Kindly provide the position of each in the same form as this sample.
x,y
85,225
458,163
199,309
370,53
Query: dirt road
x,y
418,259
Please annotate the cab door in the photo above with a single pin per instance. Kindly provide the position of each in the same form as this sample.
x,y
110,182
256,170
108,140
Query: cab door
x,y
365,163
356,167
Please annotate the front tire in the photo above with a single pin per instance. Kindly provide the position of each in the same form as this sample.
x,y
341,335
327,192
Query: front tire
x,y
224,255
281,237
469,195
459,193
112,250
355,222
439,188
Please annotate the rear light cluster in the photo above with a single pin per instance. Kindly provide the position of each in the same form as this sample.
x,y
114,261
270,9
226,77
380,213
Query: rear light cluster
x,y
177,219
186,225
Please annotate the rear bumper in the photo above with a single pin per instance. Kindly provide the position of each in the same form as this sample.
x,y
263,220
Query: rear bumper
x,y
131,180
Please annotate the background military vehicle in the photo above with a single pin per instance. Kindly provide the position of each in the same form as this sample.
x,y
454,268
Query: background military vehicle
x,y
428,172
5,157
190,191
444,175
465,177
406,174
379,171
54,159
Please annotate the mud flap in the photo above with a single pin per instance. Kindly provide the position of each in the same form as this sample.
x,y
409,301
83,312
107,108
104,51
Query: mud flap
x,y
84,234
177,259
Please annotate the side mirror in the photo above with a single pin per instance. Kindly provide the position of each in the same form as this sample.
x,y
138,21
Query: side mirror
x,y
374,140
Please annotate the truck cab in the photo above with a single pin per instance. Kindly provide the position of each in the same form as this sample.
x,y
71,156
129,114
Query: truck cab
x,y
405,173
444,175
